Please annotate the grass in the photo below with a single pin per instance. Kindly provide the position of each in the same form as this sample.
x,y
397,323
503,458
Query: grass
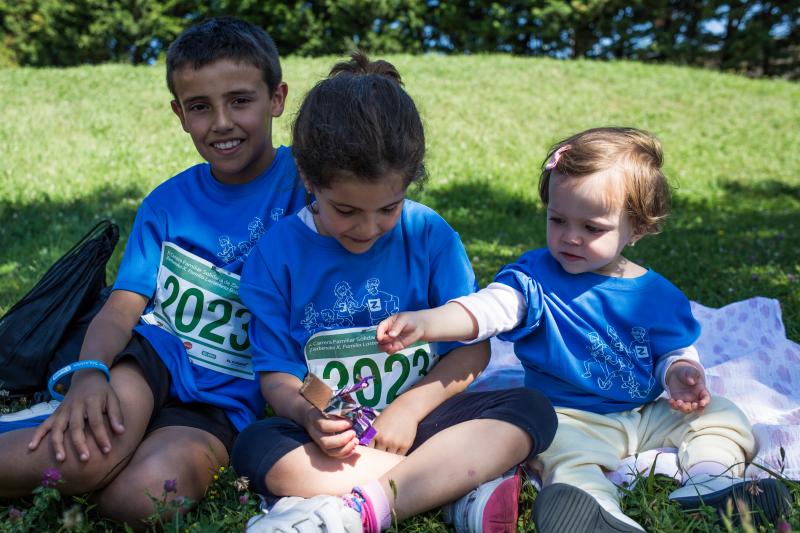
x,y
86,143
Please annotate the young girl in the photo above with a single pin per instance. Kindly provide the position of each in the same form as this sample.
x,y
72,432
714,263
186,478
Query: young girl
x,y
603,338
357,254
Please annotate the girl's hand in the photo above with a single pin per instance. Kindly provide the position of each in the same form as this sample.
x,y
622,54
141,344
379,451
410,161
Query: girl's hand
x,y
400,331
334,436
687,387
90,406
396,431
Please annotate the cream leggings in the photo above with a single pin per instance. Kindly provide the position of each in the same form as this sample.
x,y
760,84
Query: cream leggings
x,y
588,444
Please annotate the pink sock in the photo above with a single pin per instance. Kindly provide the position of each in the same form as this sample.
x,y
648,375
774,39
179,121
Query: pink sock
x,y
374,493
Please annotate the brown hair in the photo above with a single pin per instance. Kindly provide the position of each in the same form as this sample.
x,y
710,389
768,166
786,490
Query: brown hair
x,y
224,38
634,153
359,122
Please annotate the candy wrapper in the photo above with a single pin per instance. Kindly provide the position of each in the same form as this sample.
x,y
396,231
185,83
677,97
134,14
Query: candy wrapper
x,y
342,403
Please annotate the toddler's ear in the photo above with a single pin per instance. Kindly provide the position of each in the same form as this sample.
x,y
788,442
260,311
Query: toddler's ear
x,y
178,110
635,238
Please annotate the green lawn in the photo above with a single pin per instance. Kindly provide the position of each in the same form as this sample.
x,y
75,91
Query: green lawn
x,y
81,144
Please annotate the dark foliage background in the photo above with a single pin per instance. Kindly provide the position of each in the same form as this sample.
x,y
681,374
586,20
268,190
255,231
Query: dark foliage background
x,y
752,37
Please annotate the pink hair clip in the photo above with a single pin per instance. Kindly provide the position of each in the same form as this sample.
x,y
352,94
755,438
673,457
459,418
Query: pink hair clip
x,y
556,156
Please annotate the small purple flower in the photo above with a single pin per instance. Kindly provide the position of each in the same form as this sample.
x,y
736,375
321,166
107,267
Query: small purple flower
x,y
170,485
181,501
51,477
243,499
14,514
783,527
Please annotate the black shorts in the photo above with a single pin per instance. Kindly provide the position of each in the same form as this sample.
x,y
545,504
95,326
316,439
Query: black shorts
x,y
169,411
263,443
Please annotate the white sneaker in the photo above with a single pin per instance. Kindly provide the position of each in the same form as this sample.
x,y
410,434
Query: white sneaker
x,y
493,507
320,514
765,498
30,417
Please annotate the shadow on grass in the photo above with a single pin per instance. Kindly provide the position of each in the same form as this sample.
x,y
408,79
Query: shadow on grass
x,y
743,243
33,236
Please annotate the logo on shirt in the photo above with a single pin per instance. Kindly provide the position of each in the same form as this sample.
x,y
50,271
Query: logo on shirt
x,y
230,252
349,309
615,361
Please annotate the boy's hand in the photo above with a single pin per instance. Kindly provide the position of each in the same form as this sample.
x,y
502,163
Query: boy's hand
x,y
90,400
334,436
400,331
687,387
396,431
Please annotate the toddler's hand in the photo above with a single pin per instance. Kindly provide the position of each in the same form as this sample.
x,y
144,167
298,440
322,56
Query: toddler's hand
x,y
687,387
334,436
400,331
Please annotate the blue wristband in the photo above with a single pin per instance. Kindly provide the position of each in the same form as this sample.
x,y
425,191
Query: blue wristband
x,y
74,367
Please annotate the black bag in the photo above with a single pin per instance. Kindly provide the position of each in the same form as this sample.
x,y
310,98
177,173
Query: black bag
x,y
44,330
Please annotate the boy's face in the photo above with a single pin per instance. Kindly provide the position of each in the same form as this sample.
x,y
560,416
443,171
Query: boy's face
x,y
226,108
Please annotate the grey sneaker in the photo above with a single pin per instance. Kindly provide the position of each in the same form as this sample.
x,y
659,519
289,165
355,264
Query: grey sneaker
x,y
765,498
561,508
493,507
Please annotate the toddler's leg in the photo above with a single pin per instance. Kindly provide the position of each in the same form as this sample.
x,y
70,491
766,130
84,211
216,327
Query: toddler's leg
x,y
719,435
713,446
577,496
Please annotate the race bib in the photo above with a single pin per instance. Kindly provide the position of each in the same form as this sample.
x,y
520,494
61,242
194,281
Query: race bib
x,y
199,302
340,357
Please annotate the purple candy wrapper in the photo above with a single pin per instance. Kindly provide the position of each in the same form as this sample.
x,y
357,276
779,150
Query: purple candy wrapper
x,y
344,404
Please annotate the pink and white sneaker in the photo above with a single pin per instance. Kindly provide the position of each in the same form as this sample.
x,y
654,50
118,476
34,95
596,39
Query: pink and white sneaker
x,y
493,507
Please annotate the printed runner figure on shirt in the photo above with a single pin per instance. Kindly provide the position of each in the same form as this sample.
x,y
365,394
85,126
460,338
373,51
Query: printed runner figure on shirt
x,y
616,360
379,304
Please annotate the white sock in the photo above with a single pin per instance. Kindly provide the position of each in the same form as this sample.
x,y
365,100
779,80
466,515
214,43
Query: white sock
x,y
612,507
707,467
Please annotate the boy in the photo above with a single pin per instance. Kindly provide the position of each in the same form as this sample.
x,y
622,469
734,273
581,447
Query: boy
x,y
181,385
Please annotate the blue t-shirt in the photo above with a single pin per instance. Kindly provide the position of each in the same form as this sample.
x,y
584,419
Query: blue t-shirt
x,y
591,342
316,285
185,253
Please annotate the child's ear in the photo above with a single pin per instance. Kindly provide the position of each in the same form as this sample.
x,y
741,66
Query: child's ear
x,y
178,110
279,99
306,183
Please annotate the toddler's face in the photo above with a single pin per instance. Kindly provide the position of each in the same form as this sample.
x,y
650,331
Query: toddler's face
x,y
587,228
226,108
357,213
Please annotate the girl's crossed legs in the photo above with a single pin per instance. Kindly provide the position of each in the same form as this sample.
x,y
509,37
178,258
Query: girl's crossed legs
x,y
471,438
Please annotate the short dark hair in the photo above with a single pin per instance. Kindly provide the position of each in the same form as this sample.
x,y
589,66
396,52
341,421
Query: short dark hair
x,y
224,38
359,122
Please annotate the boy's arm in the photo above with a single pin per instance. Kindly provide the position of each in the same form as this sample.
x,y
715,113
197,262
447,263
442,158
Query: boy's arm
x,y
91,398
474,317
334,436
397,424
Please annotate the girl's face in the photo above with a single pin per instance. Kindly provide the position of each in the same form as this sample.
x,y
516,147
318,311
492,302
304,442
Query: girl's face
x,y
357,212
587,228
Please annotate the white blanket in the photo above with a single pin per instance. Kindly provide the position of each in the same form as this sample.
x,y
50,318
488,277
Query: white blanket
x,y
748,359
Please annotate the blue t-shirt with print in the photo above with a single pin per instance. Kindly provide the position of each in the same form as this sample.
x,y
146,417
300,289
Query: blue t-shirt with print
x,y
317,285
591,342
185,253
